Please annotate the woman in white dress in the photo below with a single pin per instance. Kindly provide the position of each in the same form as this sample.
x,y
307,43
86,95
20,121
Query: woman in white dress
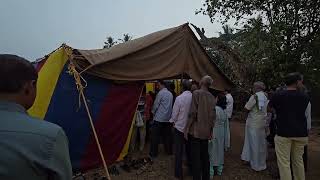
x,y
255,145
217,144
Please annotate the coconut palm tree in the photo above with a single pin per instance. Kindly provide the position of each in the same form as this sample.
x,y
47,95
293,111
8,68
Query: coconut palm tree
x,y
227,34
110,42
126,37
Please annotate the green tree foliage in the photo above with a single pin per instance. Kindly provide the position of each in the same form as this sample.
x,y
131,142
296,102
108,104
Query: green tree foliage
x,y
110,42
227,34
126,37
277,36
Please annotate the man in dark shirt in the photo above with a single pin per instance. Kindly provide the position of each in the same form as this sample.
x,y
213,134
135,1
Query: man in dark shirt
x,y
293,122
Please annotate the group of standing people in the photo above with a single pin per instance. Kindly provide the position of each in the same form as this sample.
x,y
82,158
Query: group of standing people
x,y
291,112
39,149
201,127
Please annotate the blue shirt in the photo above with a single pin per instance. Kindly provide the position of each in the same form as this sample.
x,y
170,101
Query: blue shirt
x,y
162,107
31,148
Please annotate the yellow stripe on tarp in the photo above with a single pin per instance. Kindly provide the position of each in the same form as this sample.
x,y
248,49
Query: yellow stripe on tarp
x,y
47,79
125,149
149,87
177,84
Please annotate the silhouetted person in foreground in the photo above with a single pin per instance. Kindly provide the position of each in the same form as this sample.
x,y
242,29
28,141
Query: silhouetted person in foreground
x,y
30,148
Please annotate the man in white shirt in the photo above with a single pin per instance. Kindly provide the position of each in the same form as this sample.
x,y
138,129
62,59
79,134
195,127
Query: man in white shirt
x,y
255,145
229,108
229,111
161,128
179,119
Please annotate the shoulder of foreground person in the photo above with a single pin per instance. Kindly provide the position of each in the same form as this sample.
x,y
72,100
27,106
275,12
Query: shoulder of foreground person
x,y
39,146
59,163
44,128
23,123
201,92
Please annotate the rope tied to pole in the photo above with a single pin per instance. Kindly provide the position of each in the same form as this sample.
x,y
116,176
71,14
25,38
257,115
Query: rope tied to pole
x,y
80,87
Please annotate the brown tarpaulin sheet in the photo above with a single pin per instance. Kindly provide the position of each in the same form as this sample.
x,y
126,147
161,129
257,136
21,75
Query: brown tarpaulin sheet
x,y
160,55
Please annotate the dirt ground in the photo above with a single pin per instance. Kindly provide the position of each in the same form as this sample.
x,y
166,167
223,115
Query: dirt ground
x,y
163,166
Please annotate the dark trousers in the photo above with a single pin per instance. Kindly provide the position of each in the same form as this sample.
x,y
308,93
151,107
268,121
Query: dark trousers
x,y
179,143
189,157
148,130
200,158
161,130
273,129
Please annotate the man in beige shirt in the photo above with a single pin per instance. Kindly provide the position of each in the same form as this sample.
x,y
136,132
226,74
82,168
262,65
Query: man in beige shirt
x,y
199,128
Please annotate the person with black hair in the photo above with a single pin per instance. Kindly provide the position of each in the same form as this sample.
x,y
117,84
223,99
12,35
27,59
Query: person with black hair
x,y
30,148
179,118
161,127
218,144
147,112
271,119
171,88
194,86
293,121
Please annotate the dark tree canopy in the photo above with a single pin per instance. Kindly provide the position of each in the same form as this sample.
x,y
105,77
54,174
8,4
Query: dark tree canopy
x,y
277,36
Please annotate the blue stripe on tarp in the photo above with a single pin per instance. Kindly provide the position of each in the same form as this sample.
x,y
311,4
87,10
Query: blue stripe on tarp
x,y
64,110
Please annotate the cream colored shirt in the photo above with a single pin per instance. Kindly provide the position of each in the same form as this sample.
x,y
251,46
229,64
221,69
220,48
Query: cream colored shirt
x,y
256,118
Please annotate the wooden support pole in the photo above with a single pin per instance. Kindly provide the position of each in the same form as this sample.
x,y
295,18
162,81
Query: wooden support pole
x,y
96,136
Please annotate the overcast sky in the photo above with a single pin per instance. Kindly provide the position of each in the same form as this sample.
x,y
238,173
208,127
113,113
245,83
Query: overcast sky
x,y
34,28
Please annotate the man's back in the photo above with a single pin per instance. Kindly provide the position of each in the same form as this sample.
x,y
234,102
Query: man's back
x,y
229,108
203,113
31,148
162,107
290,106
181,109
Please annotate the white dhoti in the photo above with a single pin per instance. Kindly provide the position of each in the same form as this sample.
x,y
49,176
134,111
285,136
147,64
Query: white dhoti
x,y
227,135
255,143
255,148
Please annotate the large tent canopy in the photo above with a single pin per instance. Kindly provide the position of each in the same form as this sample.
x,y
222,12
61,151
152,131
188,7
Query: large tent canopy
x,y
160,55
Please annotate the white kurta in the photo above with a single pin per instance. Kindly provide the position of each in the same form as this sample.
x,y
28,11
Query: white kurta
x,y
229,111
229,108
216,146
255,145
227,135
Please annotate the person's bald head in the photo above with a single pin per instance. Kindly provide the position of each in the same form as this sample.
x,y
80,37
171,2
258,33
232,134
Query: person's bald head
x,y
17,79
206,81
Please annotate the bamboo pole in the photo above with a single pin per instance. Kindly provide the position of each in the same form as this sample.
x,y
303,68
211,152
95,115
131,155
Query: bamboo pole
x,y
95,136
80,87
